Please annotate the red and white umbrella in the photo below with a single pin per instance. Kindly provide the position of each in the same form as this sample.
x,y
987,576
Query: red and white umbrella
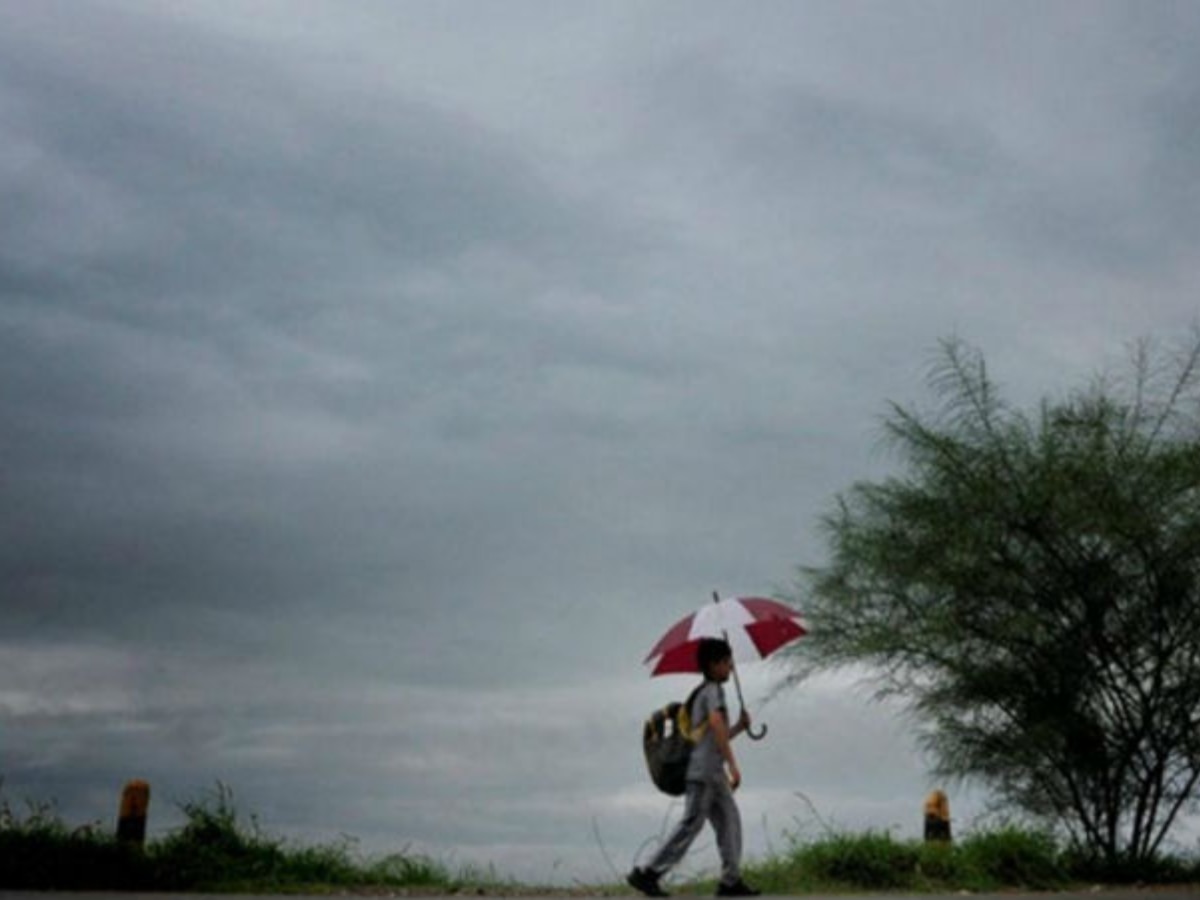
x,y
754,626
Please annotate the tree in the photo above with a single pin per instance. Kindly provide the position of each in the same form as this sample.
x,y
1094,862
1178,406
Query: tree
x,y
1029,585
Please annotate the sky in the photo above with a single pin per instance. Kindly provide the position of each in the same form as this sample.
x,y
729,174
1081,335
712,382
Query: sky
x,y
379,380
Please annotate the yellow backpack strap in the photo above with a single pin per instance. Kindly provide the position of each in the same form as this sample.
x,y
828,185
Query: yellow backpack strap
x,y
694,732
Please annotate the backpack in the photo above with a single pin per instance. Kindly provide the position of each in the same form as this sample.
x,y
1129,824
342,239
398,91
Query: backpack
x,y
668,738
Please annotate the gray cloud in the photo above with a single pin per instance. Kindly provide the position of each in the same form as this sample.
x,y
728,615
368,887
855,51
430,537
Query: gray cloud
x,y
377,384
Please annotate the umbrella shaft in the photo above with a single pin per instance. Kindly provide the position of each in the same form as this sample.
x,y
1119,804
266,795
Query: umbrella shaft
x,y
737,682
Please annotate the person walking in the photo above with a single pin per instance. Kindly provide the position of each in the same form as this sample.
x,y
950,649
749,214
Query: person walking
x,y
712,777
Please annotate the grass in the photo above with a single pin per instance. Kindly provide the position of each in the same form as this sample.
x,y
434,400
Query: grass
x,y
1002,859
217,850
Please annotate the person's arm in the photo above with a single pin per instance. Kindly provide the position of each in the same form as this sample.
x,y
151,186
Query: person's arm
x,y
722,736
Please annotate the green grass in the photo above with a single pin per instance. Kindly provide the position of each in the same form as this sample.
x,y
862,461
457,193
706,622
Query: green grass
x,y
38,851
217,850
1001,859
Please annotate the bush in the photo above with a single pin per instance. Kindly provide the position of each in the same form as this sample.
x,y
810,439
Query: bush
x,y
940,864
415,871
1015,857
38,851
213,849
872,860
1157,870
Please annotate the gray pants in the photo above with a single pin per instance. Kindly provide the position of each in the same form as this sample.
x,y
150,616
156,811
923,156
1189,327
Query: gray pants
x,y
710,801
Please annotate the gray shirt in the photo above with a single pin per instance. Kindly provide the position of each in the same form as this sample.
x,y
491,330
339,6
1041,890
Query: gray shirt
x,y
706,763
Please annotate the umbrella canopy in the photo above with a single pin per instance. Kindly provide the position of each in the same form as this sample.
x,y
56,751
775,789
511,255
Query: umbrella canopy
x,y
754,626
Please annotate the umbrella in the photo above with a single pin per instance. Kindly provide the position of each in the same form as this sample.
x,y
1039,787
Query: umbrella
x,y
755,627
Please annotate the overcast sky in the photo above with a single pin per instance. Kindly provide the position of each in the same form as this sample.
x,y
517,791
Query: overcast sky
x,y
378,380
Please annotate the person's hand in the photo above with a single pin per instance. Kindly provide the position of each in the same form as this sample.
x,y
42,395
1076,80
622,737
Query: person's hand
x,y
735,777
743,722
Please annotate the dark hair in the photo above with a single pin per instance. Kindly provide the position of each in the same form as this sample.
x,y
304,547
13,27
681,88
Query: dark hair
x,y
712,650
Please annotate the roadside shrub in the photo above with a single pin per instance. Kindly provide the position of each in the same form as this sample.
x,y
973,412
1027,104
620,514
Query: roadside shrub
x,y
217,850
872,860
1015,857
1161,869
38,851
214,849
940,864
329,864
416,871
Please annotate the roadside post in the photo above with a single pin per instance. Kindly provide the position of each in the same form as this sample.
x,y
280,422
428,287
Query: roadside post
x,y
135,803
937,816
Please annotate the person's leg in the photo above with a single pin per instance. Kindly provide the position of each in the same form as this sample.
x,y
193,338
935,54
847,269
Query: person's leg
x,y
727,821
696,810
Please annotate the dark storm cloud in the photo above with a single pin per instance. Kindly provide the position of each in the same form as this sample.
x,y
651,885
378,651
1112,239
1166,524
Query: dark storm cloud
x,y
906,178
204,166
377,380
200,265
1171,119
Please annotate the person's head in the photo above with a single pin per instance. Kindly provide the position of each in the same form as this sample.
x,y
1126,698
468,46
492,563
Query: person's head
x,y
711,656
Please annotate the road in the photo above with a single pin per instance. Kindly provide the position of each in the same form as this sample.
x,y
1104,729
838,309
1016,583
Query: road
x,y
1168,893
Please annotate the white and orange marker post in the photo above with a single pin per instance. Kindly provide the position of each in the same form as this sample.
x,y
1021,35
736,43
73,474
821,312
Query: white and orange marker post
x,y
135,804
937,816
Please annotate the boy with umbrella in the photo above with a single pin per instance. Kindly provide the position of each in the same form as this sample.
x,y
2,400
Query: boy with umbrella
x,y
712,777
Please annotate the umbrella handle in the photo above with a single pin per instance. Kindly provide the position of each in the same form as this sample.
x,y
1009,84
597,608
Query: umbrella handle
x,y
762,731
750,732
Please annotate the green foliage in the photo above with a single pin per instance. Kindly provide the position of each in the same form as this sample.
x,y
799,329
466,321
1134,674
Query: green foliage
x,y
872,860
1159,869
214,851
940,864
39,851
1003,858
214,848
1013,856
1030,585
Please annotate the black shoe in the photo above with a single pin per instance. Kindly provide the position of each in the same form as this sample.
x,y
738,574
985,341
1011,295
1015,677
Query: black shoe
x,y
646,882
737,889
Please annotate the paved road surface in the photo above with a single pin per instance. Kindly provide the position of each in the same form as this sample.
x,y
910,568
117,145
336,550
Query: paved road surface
x,y
1172,893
